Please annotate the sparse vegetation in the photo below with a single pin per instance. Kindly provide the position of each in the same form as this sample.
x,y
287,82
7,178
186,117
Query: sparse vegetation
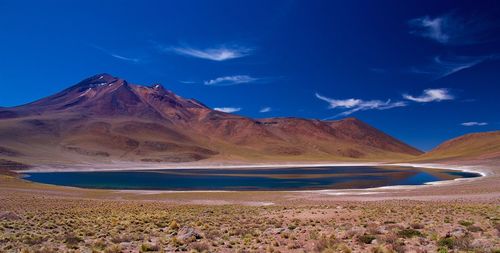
x,y
447,242
66,224
366,239
465,223
409,233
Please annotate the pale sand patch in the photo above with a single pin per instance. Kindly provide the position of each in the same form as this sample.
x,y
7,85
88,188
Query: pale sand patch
x,y
125,166
482,170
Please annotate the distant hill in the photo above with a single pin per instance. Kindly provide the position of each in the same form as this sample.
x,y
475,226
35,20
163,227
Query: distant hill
x,y
484,145
107,119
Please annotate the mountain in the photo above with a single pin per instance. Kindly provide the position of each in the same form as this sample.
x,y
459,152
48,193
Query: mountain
x,y
482,146
105,119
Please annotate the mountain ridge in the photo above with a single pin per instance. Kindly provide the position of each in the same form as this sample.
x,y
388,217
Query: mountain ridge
x,y
480,145
105,118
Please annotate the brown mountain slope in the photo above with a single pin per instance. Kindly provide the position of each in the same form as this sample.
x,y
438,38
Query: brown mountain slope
x,y
484,145
105,119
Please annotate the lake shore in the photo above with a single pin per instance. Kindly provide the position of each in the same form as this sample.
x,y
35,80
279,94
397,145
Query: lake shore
x,y
484,171
122,166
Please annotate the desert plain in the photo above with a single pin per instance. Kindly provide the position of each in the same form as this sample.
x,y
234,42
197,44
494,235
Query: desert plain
x,y
450,216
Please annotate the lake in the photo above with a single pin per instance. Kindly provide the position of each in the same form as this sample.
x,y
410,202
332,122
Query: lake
x,y
304,178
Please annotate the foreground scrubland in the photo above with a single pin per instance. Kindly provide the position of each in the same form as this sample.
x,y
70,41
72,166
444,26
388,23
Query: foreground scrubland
x,y
36,223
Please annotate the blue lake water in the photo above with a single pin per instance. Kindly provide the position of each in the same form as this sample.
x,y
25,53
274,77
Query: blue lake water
x,y
306,178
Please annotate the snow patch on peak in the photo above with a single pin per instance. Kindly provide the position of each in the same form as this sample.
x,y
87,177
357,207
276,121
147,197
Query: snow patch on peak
x,y
85,92
157,86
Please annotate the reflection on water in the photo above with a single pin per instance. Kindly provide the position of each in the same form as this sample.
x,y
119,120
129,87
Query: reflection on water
x,y
339,177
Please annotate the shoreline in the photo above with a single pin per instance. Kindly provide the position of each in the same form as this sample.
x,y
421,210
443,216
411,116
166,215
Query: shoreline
x,y
143,167
481,170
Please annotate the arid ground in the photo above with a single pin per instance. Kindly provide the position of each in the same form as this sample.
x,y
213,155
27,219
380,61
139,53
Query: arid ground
x,y
458,216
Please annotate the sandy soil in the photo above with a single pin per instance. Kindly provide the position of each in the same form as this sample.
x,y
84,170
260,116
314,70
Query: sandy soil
x,y
127,166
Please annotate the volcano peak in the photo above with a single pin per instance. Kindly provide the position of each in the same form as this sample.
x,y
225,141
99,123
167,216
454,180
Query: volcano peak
x,y
145,113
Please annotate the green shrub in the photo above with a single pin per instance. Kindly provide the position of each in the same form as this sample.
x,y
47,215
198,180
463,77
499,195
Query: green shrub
x,y
447,242
366,239
409,233
442,250
465,223
72,241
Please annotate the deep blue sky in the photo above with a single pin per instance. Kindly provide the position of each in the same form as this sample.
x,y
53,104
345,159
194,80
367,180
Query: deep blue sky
x,y
416,70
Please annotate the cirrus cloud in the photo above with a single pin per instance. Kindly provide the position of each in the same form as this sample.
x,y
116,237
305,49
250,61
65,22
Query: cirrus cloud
x,y
431,95
474,123
219,53
117,56
228,109
444,66
230,80
451,29
354,105
435,28
265,109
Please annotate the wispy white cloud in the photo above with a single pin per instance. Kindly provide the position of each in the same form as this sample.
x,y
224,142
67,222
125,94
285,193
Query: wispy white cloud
x,y
450,66
431,95
187,82
117,56
436,28
121,57
444,66
450,29
219,53
231,80
265,109
355,105
228,109
474,123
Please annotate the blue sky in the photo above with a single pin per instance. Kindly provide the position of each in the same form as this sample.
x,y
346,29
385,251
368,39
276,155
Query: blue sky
x,y
421,71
